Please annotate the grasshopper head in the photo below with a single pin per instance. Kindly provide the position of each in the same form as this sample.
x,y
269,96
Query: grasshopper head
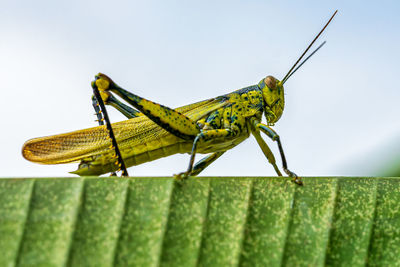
x,y
274,100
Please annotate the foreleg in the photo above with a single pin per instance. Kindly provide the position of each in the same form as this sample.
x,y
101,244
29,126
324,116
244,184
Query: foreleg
x,y
275,137
266,150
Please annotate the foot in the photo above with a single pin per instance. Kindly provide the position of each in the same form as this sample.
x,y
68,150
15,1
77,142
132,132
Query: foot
x,y
181,176
294,177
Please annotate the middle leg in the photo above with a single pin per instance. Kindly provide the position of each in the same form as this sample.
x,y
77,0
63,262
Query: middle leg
x,y
205,162
203,136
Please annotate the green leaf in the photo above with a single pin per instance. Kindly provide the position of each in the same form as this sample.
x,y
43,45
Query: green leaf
x,y
200,221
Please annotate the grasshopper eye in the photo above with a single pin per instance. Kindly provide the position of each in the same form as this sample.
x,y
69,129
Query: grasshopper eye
x,y
270,82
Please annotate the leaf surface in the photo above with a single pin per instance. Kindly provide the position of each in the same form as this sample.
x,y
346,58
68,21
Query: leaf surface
x,y
222,221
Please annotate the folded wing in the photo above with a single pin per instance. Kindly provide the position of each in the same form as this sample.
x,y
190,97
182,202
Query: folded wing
x,y
78,145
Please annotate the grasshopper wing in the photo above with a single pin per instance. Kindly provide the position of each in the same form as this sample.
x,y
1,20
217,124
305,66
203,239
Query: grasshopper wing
x,y
77,145
84,144
201,109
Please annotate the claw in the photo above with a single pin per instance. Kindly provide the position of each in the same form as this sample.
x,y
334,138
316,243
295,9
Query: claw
x,y
297,180
294,177
181,176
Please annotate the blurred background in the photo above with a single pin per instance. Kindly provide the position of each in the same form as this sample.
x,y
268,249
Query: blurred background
x,y
342,108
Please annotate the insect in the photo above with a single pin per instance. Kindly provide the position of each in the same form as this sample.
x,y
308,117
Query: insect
x,y
153,131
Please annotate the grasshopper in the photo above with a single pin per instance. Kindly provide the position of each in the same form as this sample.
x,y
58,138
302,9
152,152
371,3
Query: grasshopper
x,y
153,131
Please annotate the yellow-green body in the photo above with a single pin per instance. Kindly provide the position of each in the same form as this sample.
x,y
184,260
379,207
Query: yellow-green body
x,y
141,140
211,126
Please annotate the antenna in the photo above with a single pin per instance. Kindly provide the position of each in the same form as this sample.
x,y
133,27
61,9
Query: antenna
x,y
304,61
289,72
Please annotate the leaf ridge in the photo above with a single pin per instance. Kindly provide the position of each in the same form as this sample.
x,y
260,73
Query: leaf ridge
x,y
203,229
246,221
123,212
373,221
289,226
81,202
28,214
332,220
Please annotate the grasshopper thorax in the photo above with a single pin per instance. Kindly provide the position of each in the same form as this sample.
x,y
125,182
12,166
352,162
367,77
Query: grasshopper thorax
x,y
274,100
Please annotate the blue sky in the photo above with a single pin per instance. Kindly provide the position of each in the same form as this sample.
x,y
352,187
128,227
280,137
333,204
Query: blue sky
x,y
341,107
